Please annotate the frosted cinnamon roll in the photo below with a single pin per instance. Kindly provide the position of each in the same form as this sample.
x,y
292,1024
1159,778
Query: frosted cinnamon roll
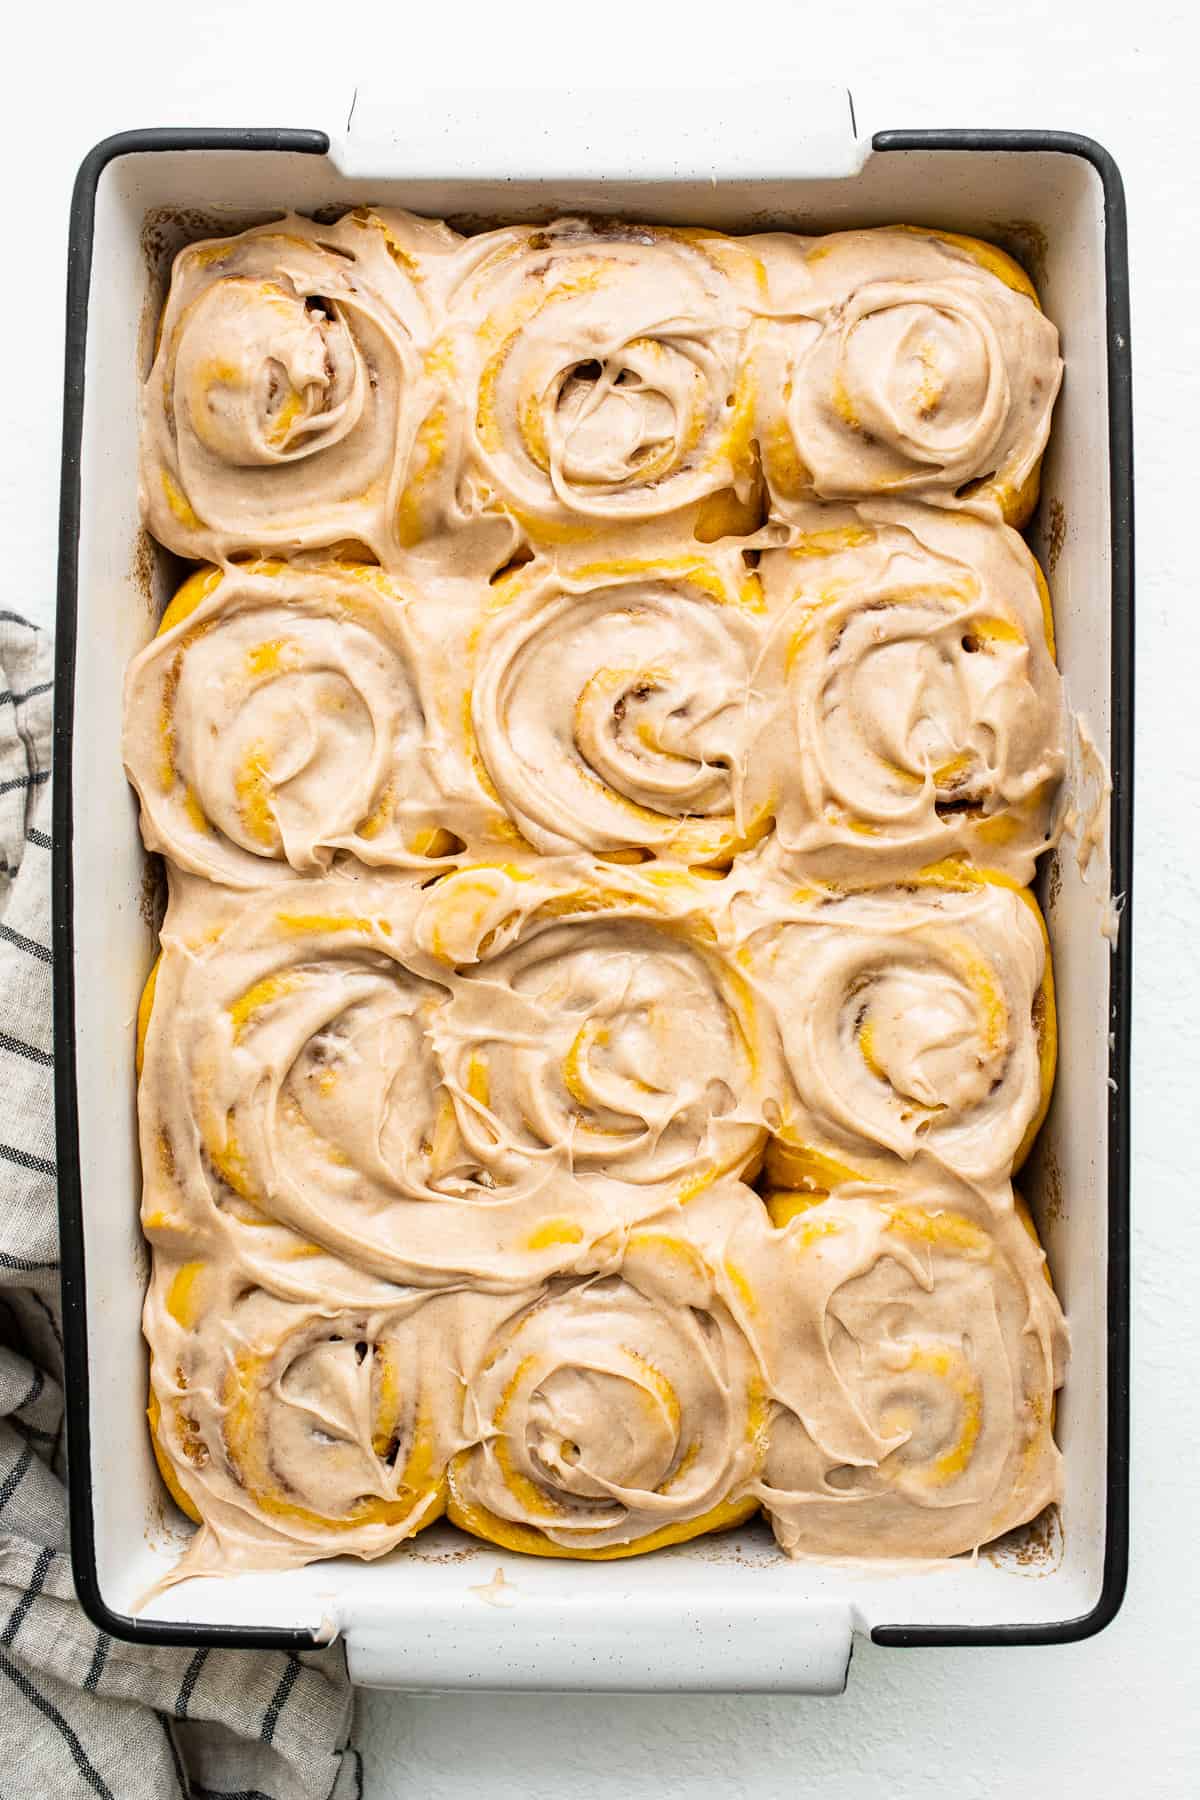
x,y
292,1077
286,712
287,386
607,384
912,1019
912,1346
614,705
596,1025
293,1430
920,363
610,1417
921,713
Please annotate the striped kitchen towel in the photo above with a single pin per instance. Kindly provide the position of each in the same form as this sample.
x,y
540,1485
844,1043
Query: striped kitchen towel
x,y
80,1713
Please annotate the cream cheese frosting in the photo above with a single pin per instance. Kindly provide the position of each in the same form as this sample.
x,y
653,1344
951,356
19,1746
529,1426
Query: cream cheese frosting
x,y
599,1016
917,363
912,1348
880,686
605,368
919,710
615,704
287,386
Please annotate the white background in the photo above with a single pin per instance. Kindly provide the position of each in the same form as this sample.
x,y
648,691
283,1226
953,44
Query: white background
x,y
1119,1715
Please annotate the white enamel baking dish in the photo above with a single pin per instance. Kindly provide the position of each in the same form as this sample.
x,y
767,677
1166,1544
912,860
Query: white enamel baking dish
x,y
729,1613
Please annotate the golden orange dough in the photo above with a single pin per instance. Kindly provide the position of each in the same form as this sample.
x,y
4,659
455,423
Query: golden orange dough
x,y
481,1523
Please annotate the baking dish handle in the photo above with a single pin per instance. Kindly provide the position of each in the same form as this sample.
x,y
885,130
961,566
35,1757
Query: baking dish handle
x,y
766,131
512,1627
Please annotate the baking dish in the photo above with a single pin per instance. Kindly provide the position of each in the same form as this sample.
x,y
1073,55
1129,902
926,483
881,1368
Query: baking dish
x,y
731,1612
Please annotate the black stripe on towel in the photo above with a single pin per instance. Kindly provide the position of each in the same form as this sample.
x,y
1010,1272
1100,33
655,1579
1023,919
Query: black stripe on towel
x,y
191,1676
37,1582
31,1053
43,687
49,1711
20,942
24,781
181,1775
99,1658
37,1165
287,1682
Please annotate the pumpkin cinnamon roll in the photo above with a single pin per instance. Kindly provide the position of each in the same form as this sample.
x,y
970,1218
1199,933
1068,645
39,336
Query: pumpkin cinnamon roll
x,y
287,713
288,385
295,1075
613,1416
614,704
914,1018
607,383
918,363
920,713
299,1429
912,1345
598,1024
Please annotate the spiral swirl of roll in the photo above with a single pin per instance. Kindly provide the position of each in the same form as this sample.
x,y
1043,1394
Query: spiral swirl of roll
x,y
608,382
300,1429
920,713
921,364
914,1019
913,1345
285,714
594,1025
308,1064
614,707
611,1417
287,386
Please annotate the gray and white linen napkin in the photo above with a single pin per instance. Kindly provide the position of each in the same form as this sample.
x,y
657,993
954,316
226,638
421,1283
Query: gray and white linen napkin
x,y
81,1713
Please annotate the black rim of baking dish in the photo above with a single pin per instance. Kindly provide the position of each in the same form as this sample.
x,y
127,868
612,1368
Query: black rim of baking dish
x,y
70,1200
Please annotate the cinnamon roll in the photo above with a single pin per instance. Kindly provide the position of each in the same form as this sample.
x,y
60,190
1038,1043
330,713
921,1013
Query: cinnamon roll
x,y
289,712
917,363
295,1077
602,1023
914,1018
614,705
607,385
912,1345
920,711
288,385
614,1416
295,1429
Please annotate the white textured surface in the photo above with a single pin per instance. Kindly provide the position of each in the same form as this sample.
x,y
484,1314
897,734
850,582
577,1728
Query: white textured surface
x,y
1117,1715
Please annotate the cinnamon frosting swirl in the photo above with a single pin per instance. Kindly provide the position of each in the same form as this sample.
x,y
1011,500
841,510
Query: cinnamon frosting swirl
x,y
285,713
287,386
614,705
305,1065
301,1427
919,710
912,1347
607,385
917,363
598,1017
915,1018
614,1416
600,1023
